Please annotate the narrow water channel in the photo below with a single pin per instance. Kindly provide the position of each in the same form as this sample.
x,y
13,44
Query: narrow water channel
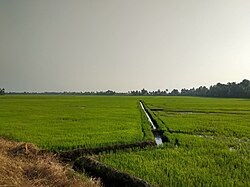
x,y
149,119
158,138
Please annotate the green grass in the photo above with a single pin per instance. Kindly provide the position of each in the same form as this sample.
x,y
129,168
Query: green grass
x,y
66,122
209,144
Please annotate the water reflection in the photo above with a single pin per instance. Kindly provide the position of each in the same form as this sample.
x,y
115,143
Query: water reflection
x,y
158,140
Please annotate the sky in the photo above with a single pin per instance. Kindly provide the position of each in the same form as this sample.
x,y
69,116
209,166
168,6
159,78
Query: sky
x,y
122,45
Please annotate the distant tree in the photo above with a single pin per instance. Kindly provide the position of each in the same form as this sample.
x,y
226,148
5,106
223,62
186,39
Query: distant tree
x,y
201,91
158,92
2,91
231,89
245,87
174,92
218,90
164,92
184,91
109,92
245,83
144,92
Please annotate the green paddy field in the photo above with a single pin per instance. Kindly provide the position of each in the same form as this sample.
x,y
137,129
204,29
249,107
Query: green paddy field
x,y
67,122
208,138
209,144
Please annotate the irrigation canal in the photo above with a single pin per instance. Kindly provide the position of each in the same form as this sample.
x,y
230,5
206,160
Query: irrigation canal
x,y
158,137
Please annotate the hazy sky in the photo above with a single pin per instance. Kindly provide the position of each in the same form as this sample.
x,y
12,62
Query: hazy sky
x,y
83,45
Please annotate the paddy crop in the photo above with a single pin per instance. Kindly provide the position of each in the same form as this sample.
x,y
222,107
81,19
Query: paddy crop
x,y
194,115
209,144
208,139
197,161
66,122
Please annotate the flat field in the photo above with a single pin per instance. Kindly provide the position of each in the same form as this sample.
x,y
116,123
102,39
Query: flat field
x,y
66,122
209,144
208,139
202,116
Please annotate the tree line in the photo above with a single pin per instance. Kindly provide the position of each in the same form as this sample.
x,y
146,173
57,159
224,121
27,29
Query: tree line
x,y
231,89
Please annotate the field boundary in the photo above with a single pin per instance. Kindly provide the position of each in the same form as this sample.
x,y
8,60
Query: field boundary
x,y
76,153
108,175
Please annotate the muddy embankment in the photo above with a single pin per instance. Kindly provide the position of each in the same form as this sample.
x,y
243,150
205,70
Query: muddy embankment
x,y
109,176
74,154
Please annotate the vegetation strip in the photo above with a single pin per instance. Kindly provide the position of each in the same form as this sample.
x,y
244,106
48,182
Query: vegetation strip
x,y
109,175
